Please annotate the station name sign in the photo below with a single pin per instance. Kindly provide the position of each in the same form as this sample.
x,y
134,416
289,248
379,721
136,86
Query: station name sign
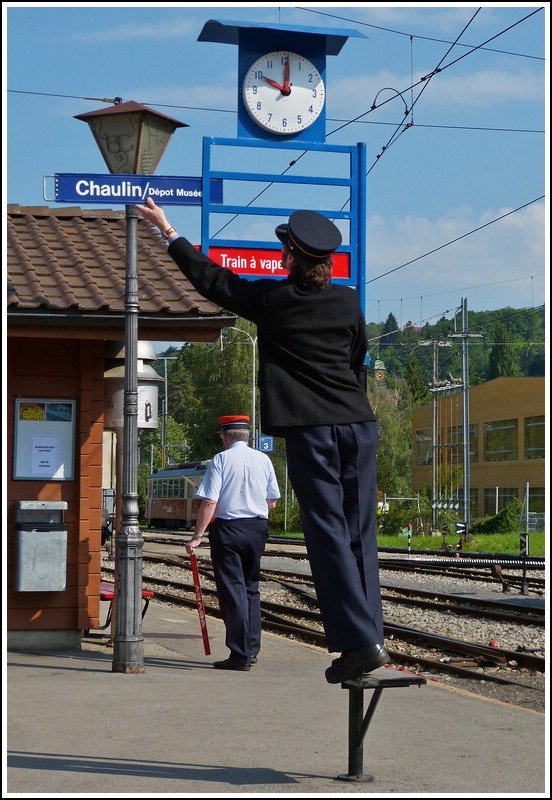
x,y
132,189
261,263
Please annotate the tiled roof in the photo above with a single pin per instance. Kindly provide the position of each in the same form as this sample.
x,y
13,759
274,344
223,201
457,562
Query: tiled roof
x,y
71,260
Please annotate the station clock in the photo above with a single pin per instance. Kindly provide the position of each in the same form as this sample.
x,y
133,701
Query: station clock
x,y
283,92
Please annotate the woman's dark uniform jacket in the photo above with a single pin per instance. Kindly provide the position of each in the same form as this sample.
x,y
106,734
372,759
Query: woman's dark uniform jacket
x,y
301,377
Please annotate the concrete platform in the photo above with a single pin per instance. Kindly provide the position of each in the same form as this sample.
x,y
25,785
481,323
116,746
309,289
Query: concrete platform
x,y
74,727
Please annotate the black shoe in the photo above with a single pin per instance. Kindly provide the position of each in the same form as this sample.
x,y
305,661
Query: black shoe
x,y
253,660
354,663
232,663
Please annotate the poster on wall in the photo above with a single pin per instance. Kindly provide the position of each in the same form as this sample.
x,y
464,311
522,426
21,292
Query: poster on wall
x,y
44,439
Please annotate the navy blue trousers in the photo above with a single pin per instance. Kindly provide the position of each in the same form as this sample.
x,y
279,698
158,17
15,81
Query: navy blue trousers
x,y
332,469
237,546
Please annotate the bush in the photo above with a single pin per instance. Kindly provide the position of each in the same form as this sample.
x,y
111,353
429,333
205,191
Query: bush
x,y
278,520
506,521
396,519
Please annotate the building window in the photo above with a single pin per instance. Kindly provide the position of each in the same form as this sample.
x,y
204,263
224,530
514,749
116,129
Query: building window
x,y
424,448
497,499
534,437
500,440
536,499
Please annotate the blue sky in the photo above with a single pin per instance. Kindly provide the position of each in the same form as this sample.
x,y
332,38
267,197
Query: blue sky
x,y
477,150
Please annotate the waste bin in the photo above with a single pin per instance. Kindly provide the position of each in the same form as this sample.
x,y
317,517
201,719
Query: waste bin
x,y
40,546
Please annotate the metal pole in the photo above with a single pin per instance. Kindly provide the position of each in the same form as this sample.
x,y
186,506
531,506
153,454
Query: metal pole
x,y
164,410
434,434
128,649
253,385
524,545
253,393
163,434
466,414
166,407
435,431
466,409
286,498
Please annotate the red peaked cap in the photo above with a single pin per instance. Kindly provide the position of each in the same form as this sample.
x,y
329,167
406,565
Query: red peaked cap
x,y
234,422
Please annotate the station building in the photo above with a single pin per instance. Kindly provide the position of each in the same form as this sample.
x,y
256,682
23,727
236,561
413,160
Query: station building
x,y
65,312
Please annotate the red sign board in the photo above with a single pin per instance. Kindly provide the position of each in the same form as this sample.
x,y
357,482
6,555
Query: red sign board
x,y
268,263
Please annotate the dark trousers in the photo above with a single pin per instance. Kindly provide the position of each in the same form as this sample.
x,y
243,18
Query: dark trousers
x,y
237,546
332,469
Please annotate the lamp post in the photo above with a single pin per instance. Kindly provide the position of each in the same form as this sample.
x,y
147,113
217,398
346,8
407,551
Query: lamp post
x,y
132,140
165,410
253,341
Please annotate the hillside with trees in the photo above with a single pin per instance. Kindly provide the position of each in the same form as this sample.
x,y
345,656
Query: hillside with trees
x,y
507,342
206,380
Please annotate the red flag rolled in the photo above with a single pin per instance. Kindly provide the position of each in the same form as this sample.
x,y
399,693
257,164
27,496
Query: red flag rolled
x,y
200,606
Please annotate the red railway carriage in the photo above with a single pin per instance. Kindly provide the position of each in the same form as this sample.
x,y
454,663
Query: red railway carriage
x,y
170,497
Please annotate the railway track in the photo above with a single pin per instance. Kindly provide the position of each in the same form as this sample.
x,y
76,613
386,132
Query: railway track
x,y
289,608
433,600
484,568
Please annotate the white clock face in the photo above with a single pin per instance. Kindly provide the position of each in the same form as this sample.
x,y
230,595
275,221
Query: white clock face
x,y
283,92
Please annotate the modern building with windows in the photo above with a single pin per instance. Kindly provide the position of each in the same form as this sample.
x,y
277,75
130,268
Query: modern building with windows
x,y
506,446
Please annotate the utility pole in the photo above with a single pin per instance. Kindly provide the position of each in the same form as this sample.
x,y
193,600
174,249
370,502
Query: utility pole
x,y
466,408
436,388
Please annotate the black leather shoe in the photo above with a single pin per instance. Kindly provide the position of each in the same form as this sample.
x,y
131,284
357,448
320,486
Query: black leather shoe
x,y
253,660
232,663
354,663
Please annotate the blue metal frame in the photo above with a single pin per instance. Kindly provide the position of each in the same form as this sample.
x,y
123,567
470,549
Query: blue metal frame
x,y
356,214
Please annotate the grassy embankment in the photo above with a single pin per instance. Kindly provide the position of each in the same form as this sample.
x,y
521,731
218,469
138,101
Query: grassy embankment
x,y
500,543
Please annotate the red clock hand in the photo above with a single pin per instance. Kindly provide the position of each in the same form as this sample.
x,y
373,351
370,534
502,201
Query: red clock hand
x,y
286,90
273,83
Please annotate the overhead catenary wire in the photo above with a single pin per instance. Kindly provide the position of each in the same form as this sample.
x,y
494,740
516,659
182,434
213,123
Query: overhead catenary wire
x,y
400,128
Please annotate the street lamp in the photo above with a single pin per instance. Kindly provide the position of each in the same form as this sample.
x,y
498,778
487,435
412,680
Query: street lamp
x,y
165,411
253,384
132,140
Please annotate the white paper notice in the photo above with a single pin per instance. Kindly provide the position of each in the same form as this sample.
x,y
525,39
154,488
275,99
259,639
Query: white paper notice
x,y
45,457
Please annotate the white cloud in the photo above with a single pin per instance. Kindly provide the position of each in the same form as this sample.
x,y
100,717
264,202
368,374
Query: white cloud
x,y
173,29
501,265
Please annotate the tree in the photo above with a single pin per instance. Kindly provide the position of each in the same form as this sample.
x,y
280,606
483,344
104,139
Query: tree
x,y
208,380
182,395
419,392
503,361
392,409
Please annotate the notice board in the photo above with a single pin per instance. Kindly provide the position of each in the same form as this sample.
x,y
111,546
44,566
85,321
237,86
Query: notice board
x,y
44,439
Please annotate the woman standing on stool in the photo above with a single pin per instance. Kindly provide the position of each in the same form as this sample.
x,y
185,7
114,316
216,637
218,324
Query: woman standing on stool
x,y
312,345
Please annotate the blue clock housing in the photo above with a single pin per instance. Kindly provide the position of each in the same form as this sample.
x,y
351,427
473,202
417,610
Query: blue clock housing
x,y
255,40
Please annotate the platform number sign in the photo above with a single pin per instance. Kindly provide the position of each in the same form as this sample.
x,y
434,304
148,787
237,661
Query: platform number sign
x,y
266,444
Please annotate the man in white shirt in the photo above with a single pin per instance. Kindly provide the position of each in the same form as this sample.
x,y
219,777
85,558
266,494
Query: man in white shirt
x,y
238,490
